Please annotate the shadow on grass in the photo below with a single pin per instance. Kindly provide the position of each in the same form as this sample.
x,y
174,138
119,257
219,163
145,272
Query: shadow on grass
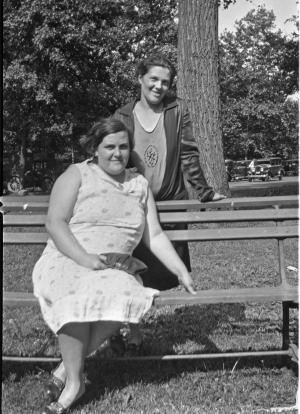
x,y
188,329
107,378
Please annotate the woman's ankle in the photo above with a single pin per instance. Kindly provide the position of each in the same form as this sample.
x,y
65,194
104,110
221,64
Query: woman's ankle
x,y
60,372
72,392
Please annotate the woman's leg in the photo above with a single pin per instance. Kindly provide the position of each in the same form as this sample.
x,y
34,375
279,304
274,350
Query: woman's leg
x,y
98,333
73,341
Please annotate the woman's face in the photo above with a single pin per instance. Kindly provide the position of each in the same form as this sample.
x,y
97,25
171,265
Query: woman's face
x,y
113,153
155,84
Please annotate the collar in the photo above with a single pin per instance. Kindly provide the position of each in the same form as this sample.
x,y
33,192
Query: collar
x,y
127,109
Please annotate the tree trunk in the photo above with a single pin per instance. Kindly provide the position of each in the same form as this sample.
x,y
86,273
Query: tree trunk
x,y
198,83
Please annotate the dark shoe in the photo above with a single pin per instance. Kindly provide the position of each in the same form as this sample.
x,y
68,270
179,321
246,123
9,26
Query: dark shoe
x,y
58,408
54,408
133,350
117,345
54,388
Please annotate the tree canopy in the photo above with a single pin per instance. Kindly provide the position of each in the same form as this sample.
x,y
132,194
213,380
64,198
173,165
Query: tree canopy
x,y
258,70
66,63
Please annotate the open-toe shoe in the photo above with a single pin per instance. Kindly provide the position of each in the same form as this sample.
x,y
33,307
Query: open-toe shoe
x,y
57,408
53,388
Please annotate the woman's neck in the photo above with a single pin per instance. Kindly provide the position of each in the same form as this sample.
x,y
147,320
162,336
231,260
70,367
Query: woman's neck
x,y
120,178
147,106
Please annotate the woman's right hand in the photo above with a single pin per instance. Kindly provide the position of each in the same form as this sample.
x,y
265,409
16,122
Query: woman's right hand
x,y
187,282
94,261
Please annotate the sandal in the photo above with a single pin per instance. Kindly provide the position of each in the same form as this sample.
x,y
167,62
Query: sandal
x,y
57,408
54,387
117,345
54,408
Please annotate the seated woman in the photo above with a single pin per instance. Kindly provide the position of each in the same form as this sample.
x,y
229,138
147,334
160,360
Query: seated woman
x,y
97,207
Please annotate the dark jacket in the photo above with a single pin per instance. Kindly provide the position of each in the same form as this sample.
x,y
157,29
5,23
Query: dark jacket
x,y
182,151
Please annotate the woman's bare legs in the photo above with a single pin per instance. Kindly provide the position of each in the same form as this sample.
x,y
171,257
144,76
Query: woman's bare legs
x,y
73,341
100,332
78,340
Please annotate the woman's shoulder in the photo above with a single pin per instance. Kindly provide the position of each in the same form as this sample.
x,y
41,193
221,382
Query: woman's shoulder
x,y
135,176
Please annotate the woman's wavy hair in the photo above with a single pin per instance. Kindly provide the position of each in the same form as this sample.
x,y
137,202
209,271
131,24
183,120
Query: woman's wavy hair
x,y
105,126
156,59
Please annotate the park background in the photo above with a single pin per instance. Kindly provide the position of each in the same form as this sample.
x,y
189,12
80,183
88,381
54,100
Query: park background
x,y
67,63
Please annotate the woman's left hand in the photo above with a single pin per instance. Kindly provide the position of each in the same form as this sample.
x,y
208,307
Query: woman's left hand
x,y
94,261
187,282
218,196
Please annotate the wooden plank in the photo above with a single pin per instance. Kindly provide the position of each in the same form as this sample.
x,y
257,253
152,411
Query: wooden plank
x,y
19,299
24,220
172,357
191,235
32,203
25,238
243,233
229,216
170,298
235,295
258,202
23,205
180,217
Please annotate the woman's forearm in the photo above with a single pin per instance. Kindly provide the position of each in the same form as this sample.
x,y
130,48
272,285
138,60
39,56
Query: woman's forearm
x,y
163,249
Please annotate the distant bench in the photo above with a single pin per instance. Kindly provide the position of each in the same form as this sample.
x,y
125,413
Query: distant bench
x,y
282,217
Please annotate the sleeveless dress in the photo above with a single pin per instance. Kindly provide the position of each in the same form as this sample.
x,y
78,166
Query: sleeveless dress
x,y
107,217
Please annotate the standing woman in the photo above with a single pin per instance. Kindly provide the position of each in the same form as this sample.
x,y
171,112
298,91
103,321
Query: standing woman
x,y
164,149
86,280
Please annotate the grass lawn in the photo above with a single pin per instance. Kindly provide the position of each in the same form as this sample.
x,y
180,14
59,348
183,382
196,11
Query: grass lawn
x,y
206,386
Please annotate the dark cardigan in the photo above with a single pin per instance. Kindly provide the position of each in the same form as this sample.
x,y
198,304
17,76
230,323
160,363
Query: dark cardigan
x,y
182,151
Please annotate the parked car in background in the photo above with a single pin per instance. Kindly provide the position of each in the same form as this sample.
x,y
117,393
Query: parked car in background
x,y
240,170
291,167
38,175
229,165
265,168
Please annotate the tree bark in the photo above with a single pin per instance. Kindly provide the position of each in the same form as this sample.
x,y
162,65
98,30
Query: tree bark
x,y
198,83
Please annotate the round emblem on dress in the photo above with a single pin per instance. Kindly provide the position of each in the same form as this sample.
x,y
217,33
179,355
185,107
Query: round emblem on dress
x,y
151,156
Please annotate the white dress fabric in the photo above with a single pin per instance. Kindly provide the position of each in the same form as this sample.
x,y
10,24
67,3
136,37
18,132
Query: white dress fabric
x,y
107,217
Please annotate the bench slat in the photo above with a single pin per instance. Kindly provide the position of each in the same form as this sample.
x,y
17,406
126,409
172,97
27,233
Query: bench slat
x,y
41,203
210,296
230,203
179,217
25,238
243,233
246,233
229,216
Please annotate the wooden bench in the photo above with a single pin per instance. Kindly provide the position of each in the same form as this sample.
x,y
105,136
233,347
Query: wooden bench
x,y
40,203
280,226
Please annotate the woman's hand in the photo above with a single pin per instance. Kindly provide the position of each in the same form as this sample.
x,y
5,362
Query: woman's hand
x,y
94,261
187,282
218,196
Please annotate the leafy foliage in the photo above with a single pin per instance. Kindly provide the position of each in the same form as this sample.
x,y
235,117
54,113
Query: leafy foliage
x,y
68,62
259,70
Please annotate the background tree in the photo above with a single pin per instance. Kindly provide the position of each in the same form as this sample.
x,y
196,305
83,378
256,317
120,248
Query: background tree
x,y
259,70
198,83
67,63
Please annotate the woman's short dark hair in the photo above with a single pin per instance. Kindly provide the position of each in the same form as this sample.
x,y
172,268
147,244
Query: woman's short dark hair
x,y
102,128
156,59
